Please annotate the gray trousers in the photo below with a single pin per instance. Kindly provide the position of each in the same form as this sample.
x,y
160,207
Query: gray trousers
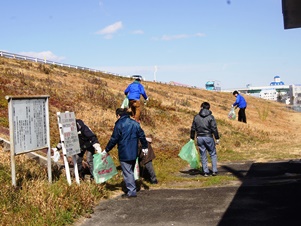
x,y
207,144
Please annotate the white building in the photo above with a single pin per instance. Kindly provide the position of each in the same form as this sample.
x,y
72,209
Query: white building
x,y
269,94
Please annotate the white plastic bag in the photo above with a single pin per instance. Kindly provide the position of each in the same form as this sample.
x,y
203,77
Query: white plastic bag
x,y
232,114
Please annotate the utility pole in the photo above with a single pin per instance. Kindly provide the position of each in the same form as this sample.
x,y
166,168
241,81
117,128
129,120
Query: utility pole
x,y
156,69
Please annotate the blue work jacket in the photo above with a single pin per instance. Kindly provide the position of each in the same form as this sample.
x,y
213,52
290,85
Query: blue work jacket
x,y
126,134
134,90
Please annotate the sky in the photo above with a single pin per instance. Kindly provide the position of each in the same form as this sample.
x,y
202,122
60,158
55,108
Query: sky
x,y
235,42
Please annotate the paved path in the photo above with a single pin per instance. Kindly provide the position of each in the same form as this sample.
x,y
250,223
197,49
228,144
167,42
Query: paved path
x,y
269,194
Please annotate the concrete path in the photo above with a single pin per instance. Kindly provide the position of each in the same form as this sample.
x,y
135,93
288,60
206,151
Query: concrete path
x,y
269,194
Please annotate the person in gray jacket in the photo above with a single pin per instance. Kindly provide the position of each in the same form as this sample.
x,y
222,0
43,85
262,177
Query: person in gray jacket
x,y
204,126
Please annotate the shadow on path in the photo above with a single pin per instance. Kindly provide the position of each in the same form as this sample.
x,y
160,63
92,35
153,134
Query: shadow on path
x,y
269,194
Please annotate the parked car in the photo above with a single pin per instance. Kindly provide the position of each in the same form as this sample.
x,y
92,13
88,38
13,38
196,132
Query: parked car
x,y
137,77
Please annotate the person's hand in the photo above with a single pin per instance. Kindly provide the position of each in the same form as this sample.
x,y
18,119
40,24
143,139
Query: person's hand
x,y
59,146
145,151
97,147
145,102
217,142
104,152
56,155
191,139
232,106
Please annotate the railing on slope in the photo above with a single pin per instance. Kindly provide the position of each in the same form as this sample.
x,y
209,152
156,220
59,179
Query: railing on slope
x,y
38,60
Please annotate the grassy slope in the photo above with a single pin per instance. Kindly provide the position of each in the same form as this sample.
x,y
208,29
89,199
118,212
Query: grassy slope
x,y
272,132
168,116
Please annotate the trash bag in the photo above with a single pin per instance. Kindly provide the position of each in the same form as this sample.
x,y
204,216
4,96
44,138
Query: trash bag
x,y
190,154
232,114
136,170
125,103
104,167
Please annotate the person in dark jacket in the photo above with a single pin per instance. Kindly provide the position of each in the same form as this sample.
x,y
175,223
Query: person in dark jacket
x,y
133,92
88,143
242,104
204,126
126,134
146,164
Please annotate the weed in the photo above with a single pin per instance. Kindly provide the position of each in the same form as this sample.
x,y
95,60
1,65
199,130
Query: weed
x,y
263,112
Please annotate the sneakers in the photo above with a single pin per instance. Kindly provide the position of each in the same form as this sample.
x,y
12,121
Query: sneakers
x,y
207,174
154,182
126,196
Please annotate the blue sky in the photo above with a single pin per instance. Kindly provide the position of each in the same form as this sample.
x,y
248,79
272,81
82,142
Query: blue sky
x,y
236,42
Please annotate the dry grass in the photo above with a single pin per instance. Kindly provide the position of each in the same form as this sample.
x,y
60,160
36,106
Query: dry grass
x,y
272,132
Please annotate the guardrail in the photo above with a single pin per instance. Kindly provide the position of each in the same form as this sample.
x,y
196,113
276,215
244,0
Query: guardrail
x,y
38,60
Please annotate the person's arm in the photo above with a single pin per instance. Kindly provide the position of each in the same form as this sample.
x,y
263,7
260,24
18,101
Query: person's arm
x,y
142,92
214,129
126,91
113,140
236,101
142,138
87,132
192,130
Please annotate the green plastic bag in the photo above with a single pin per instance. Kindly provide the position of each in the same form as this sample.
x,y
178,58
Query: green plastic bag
x,y
104,167
125,103
232,114
190,154
136,170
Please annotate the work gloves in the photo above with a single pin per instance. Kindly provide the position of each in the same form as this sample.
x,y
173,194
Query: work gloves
x,y
217,142
145,151
97,147
56,155
145,102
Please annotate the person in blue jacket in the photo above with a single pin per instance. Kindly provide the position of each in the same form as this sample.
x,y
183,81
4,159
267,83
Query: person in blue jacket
x,y
126,134
133,92
242,104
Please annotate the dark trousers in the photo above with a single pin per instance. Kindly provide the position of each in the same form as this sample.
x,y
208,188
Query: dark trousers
x,y
242,115
79,159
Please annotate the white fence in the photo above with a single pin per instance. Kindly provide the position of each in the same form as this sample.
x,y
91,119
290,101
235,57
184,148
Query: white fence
x,y
21,57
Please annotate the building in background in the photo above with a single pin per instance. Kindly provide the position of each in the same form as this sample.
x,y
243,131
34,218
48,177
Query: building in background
x,y
277,81
276,91
213,85
295,94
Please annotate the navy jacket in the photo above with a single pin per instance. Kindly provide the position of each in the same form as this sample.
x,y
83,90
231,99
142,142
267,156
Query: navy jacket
x,y
126,134
85,135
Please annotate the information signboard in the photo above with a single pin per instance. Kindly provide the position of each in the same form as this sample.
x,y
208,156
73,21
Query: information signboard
x,y
28,128
69,135
29,124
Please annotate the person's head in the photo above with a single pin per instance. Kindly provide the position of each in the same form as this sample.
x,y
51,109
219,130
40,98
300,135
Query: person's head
x,y
205,105
121,112
235,93
138,79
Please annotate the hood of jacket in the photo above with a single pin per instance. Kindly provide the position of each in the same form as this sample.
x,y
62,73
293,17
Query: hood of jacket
x,y
205,112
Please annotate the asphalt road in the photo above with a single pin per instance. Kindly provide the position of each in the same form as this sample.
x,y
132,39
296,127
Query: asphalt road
x,y
269,194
